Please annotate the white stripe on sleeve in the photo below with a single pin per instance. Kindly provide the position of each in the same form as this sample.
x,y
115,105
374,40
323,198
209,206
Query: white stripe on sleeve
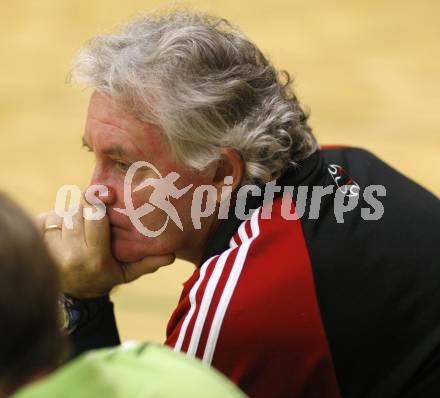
x,y
206,302
192,299
229,289
242,231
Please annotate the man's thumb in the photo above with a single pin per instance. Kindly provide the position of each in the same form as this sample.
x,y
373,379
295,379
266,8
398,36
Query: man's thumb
x,y
147,265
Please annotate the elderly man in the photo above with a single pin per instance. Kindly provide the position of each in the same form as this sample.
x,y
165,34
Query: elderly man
x,y
329,288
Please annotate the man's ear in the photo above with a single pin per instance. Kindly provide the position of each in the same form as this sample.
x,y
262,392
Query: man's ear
x,y
229,173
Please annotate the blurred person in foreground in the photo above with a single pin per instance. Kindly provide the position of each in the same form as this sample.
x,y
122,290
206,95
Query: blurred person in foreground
x,y
333,300
32,345
31,342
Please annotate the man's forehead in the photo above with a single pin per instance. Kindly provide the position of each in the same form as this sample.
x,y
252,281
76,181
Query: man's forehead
x,y
105,117
102,107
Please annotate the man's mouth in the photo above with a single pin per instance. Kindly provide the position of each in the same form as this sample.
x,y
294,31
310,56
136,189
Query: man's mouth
x,y
120,232
115,225
115,221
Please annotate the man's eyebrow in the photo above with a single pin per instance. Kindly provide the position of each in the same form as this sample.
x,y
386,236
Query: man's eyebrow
x,y
116,150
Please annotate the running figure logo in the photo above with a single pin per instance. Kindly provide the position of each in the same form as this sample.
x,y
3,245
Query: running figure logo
x,y
164,188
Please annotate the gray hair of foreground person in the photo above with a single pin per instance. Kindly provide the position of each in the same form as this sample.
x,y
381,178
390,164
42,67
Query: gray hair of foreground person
x,y
206,86
31,342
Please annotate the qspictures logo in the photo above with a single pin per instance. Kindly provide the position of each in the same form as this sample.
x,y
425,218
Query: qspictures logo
x,y
345,192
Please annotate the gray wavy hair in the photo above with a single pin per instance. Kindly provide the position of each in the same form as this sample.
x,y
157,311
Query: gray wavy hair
x,y
206,86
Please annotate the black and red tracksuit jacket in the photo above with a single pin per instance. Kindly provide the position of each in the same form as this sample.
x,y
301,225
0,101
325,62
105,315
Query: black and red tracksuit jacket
x,y
311,306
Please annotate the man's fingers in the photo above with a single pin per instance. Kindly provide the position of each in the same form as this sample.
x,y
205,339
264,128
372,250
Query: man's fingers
x,y
40,221
52,232
77,226
96,232
147,265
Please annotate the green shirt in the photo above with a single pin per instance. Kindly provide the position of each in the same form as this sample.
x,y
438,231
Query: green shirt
x,y
136,370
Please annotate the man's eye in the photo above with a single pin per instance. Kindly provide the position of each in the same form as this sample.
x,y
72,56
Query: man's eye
x,y
122,166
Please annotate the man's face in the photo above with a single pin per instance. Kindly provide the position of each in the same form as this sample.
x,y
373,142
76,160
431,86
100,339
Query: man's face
x,y
118,140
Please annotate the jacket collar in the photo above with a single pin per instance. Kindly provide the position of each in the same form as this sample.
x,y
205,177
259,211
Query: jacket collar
x,y
302,174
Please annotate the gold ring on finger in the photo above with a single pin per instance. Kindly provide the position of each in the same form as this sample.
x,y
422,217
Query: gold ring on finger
x,y
52,227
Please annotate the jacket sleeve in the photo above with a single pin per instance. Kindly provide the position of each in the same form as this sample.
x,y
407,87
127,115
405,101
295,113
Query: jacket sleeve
x,y
97,329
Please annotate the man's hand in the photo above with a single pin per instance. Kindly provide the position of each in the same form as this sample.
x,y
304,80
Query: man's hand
x,y
83,253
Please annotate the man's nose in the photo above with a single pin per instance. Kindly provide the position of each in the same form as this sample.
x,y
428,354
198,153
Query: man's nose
x,y
101,188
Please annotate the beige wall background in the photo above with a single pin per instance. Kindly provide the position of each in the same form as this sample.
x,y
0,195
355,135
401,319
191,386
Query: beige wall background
x,y
369,71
